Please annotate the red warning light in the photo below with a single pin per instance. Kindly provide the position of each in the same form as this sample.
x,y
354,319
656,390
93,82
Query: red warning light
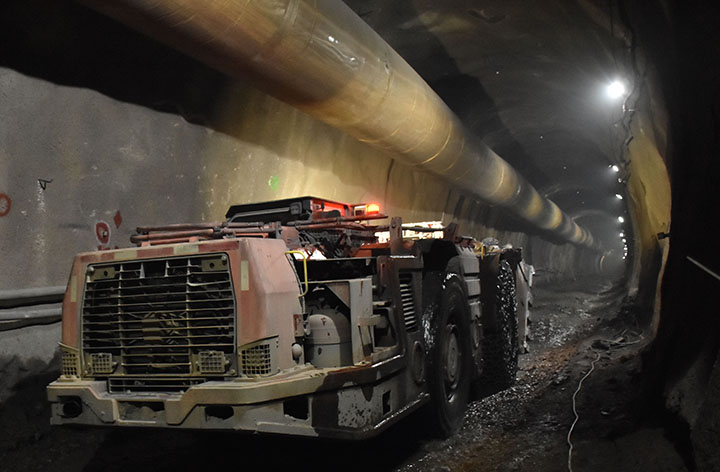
x,y
373,209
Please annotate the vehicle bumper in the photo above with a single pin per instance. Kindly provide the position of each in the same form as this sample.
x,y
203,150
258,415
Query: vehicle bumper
x,y
300,407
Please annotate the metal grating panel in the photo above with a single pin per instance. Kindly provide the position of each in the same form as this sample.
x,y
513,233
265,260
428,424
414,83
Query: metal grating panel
x,y
155,317
101,363
408,303
258,359
211,362
69,364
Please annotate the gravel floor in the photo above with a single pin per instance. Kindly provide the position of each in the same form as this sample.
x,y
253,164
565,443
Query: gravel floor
x,y
523,428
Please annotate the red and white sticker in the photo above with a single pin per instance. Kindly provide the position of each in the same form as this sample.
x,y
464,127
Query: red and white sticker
x,y
102,233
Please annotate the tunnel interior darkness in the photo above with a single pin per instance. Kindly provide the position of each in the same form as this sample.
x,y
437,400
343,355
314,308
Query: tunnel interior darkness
x,y
115,123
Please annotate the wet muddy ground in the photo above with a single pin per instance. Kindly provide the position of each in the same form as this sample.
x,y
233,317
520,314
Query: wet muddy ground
x,y
584,326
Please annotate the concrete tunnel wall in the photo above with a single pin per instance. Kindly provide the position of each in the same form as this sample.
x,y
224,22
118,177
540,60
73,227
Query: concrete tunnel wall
x,y
81,170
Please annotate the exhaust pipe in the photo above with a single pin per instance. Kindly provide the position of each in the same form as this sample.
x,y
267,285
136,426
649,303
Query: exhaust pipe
x,y
320,57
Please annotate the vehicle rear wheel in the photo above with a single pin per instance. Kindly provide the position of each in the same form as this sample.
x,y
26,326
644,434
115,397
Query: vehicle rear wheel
x,y
500,344
449,355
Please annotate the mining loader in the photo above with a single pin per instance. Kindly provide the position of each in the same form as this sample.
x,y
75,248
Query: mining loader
x,y
301,316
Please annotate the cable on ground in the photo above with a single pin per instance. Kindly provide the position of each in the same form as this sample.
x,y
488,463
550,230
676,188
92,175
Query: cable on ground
x,y
574,408
616,343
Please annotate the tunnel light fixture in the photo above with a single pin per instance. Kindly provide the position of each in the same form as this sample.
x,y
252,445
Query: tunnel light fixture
x,y
622,234
615,168
615,90
621,219
618,196
624,240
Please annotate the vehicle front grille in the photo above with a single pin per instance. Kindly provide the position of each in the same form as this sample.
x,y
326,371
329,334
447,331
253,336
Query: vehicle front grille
x,y
158,318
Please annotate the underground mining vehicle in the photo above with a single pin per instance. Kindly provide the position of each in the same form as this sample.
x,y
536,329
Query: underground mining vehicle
x,y
299,316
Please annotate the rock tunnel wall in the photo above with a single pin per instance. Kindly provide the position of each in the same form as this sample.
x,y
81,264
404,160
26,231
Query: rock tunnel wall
x,y
649,197
683,364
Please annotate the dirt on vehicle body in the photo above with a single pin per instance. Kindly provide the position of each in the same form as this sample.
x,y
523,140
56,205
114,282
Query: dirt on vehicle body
x,y
290,317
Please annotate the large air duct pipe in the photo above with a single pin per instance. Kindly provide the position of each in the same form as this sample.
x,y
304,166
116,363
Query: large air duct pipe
x,y
322,58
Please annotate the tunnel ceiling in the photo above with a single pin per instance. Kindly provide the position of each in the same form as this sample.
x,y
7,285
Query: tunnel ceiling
x,y
530,79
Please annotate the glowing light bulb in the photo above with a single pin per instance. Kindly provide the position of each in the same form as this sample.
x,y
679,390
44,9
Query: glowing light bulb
x,y
618,196
615,89
373,209
621,219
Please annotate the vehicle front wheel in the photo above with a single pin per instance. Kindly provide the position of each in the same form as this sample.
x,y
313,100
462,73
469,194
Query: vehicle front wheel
x,y
449,354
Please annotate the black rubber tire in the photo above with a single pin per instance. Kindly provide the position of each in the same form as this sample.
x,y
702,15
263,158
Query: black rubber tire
x,y
500,345
448,351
